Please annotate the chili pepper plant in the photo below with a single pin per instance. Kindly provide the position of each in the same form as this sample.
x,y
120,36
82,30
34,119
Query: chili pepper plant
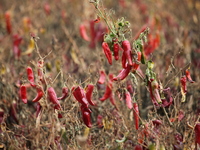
x,y
100,74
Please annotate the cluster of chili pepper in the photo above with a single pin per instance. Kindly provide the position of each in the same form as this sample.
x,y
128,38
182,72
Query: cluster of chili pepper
x,y
85,99
108,94
96,32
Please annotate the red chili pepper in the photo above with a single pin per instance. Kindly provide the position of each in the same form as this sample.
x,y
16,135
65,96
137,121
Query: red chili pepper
x,y
83,33
8,22
65,93
107,93
116,51
92,34
79,95
89,90
136,115
140,31
127,51
39,95
23,93
124,63
30,76
136,65
53,98
187,73
123,73
87,119
197,135
107,52
102,77
128,100
183,84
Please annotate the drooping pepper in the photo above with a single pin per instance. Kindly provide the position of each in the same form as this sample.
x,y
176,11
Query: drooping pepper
x,y
79,95
123,73
30,76
127,51
89,90
23,94
65,93
128,100
116,51
102,77
189,78
53,98
39,95
107,52
136,115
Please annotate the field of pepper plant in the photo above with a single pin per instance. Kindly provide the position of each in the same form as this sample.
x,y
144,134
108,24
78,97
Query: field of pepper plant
x,y
100,74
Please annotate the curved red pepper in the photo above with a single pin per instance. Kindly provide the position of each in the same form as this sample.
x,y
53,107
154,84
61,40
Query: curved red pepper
x,y
127,51
87,119
65,93
79,95
187,73
107,52
107,93
53,98
123,73
8,22
39,95
89,90
136,65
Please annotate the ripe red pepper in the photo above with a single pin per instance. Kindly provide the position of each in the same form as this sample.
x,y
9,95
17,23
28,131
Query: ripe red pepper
x,y
23,94
30,76
197,135
102,77
123,73
187,73
8,22
53,98
116,51
39,95
83,33
92,34
112,99
89,90
128,100
127,51
79,95
65,93
107,93
87,119
136,115
107,52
